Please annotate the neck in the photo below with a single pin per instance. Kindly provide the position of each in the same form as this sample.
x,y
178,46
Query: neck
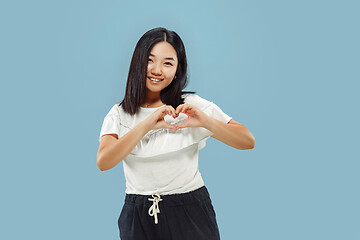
x,y
152,98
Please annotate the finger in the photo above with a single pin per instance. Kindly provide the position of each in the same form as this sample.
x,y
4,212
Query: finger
x,y
171,107
170,126
166,111
178,109
183,125
169,110
172,111
163,113
183,108
186,108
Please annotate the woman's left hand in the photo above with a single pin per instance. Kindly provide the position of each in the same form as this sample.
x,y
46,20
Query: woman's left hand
x,y
196,117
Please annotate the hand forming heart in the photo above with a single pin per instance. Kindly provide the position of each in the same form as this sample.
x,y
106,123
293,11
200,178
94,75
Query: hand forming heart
x,y
185,115
196,117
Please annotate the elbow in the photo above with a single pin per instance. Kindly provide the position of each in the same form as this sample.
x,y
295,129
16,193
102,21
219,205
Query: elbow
x,y
248,142
250,145
100,167
107,158
103,163
242,147
99,164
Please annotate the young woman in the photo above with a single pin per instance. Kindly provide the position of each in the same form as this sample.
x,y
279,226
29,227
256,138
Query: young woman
x,y
157,131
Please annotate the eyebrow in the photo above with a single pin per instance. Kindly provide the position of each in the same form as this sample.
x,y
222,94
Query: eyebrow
x,y
168,58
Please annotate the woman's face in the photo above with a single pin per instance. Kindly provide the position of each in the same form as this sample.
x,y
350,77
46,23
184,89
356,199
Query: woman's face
x,y
162,66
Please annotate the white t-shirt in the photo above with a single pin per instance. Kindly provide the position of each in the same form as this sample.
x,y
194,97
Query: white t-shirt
x,y
165,161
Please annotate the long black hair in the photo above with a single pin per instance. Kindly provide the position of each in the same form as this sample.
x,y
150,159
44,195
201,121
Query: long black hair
x,y
135,92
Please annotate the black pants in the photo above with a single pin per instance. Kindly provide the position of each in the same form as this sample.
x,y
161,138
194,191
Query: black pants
x,y
183,216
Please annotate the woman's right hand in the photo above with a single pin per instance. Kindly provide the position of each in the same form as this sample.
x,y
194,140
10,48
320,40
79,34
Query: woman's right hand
x,y
156,119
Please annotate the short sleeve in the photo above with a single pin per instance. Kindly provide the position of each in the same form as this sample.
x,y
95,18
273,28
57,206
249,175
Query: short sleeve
x,y
208,107
111,123
218,114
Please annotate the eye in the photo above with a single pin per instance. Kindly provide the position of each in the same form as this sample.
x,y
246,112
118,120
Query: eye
x,y
168,63
149,60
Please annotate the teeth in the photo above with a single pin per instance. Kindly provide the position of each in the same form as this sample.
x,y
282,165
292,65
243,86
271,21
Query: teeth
x,y
156,80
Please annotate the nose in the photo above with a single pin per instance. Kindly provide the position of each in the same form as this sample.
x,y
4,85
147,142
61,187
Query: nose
x,y
156,69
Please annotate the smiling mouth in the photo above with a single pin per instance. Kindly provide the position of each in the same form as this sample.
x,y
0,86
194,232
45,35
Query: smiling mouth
x,y
155,80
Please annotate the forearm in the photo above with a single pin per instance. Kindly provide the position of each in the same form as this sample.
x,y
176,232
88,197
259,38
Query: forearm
x,y
115,153
234,135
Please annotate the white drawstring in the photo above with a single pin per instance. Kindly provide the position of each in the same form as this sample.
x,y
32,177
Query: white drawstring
x,y
154,209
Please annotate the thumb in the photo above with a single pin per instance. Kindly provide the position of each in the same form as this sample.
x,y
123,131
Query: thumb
x,y
168,125
183,125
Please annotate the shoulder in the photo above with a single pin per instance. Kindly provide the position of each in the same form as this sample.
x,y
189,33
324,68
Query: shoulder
x,y
196,100
114,110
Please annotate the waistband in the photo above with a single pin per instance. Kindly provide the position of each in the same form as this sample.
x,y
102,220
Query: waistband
x,y
192,197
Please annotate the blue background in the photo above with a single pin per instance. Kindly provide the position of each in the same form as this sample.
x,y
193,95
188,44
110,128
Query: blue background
x,y
287,70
